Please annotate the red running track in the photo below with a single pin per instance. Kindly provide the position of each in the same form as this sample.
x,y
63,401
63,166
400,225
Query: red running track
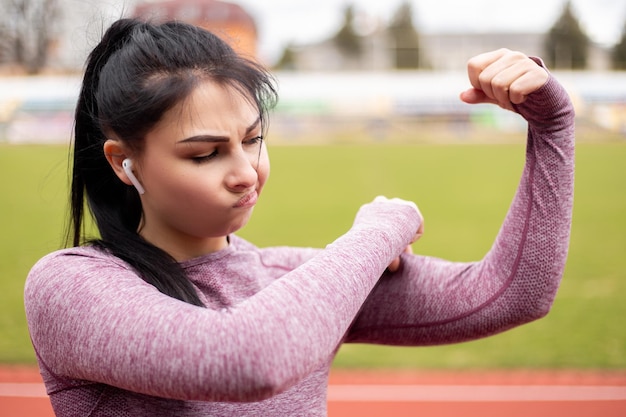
x,y
411,393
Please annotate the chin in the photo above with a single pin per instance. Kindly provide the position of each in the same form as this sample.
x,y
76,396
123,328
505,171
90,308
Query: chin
x,y
236,227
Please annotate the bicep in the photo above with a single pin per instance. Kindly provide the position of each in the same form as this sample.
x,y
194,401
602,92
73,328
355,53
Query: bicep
x,y
429,301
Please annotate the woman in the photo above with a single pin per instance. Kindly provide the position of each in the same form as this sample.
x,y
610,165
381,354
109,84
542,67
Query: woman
x,y
170,313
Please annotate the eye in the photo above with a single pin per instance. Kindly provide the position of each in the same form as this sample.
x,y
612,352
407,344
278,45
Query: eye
x,y
204,158
253,141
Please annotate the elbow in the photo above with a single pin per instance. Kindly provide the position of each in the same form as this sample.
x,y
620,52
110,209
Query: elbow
x,y
244,387
516,310
261,384
533,311
544,303
536,301
537,314
542,309
236,390
267,387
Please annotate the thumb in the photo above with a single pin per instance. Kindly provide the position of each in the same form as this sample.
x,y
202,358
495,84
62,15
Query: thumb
x,y
475,96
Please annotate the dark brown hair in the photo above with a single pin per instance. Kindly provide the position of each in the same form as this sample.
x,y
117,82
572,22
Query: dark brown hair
x,y
134,75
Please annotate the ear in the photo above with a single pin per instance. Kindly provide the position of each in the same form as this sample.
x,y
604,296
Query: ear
x,y
115,152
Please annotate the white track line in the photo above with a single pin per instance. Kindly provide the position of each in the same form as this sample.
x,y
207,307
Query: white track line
x,y
473,393
420,393
25,390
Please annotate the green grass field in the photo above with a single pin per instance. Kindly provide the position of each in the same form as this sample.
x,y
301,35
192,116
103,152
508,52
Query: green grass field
x,y
311,198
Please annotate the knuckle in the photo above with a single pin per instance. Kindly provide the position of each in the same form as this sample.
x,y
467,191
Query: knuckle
x,y
499,82
473,63
484,78
516,56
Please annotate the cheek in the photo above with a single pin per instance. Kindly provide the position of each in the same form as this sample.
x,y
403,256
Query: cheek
x,y
192,210
179,193
169,183
263,170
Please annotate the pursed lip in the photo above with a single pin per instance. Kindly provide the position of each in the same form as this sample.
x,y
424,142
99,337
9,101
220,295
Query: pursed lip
x,y
248,200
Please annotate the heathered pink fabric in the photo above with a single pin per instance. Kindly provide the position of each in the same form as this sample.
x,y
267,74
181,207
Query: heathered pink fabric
x,y
109,344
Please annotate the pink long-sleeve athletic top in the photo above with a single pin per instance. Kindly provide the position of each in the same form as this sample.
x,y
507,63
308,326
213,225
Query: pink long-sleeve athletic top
x,y
109,344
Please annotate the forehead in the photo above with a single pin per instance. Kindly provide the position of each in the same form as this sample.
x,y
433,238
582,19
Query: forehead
x,y
212,106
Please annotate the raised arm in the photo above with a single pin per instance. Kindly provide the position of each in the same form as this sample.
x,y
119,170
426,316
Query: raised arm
x,y
434,301
91,318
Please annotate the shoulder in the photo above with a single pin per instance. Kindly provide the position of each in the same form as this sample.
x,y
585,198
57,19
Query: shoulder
x,y
76,257
67,269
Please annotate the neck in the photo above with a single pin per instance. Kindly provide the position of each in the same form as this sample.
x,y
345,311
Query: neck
x,y
185,248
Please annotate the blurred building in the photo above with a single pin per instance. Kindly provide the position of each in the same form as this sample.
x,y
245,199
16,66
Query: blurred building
x,y
227,20
450,51
326,56
438,51
327,89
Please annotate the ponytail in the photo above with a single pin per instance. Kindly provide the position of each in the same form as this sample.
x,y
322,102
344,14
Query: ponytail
x,y
88,161
120,95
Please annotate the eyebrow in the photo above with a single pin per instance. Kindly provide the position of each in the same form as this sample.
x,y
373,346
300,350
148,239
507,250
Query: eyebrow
x,y
219,138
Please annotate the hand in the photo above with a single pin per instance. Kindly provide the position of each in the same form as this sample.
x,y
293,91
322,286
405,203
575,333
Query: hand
x,y
395,264
503,77
397,213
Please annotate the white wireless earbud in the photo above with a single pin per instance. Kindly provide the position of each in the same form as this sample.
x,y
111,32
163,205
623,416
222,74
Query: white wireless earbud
x,y
127,165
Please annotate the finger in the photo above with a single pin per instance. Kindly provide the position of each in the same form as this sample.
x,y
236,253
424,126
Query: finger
x,y
513,84
527,83
474,96
394,265
477,64
420,232
510,79
496,79
500,86
497,71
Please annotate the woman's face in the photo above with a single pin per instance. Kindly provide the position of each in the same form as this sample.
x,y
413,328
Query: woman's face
x,y
203,167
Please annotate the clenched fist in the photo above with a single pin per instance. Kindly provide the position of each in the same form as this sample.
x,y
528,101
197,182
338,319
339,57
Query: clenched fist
x,y
503,77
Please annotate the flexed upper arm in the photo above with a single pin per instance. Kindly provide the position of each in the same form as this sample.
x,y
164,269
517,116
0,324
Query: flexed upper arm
x,y
431,301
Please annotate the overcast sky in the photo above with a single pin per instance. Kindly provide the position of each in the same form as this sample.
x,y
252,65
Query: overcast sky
x,y
303,21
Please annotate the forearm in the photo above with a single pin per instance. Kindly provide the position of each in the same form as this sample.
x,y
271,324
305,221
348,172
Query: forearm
x,y
103,324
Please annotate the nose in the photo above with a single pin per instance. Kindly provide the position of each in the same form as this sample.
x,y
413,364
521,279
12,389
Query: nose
x,y
242,172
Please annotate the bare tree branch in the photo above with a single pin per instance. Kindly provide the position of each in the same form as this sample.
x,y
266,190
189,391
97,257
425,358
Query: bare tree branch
x,y
27,32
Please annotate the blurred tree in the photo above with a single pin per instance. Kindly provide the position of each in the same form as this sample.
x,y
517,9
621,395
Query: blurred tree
x,y
566,43
619,52
287,60
26,32
405,39
347,39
